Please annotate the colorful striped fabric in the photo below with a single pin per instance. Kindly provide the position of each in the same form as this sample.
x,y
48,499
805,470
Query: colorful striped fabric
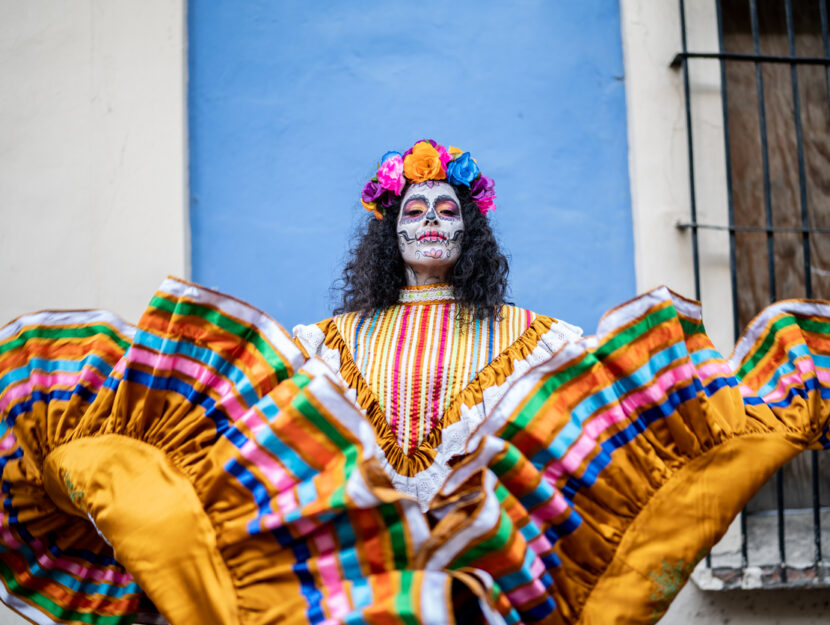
x,y
603,472
426,377
417,357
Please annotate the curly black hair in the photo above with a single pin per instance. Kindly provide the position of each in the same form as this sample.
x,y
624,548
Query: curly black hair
x,y
374,274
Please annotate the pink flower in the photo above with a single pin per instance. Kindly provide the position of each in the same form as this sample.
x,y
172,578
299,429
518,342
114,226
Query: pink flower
x,y
485,205
390,174
443,155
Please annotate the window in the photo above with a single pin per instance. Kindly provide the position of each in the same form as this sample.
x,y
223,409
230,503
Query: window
x,y
774,62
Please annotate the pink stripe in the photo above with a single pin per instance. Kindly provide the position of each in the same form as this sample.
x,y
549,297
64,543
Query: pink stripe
x,y
195,370
551,509
714,368
287,501
253,420
540,544
592,430
526,593
806,369
745,390
41,379
327,566
436,390
120,367
8,441
396,374
305,526
272,469
45,559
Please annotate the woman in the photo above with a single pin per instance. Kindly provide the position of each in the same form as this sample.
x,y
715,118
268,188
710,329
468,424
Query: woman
x,y
424,338
459,457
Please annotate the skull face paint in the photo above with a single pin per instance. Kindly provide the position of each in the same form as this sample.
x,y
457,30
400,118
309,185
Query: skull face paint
x,y
430,228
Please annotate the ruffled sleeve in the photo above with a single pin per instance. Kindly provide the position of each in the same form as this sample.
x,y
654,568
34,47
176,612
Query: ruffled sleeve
x,y
608,472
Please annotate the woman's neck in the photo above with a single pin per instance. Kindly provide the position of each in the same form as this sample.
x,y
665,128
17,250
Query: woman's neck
x,y
418,277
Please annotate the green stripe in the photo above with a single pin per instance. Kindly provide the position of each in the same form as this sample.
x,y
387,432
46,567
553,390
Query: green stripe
x,y
498,541
50,332
765,346
502,493
808,325
691,327
246,333
300,379
307,409
392,519
535,403
405,601
55,610
510,458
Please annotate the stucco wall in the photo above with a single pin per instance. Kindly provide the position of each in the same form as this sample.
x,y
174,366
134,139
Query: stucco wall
x,y
92,145
292,104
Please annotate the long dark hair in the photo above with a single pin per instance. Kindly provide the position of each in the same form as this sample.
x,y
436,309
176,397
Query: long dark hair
x,y
374,274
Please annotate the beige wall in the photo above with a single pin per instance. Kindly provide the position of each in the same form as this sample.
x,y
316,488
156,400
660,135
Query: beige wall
x,y
659,169
93,187
658,156
93,149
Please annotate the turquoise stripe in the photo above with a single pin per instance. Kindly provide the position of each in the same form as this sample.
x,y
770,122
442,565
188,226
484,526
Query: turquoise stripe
x,y
206,356
522,576
642,377
306,493
266,437
704,355
56,365
530,531
72,583
369,333
361,594
821,362
347,553
476,339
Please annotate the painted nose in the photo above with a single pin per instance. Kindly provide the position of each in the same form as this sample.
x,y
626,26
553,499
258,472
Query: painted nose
x,y
431,216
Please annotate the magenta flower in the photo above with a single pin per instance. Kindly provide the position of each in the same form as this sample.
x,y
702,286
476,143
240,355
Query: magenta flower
x,y
443,155
390,174
485,205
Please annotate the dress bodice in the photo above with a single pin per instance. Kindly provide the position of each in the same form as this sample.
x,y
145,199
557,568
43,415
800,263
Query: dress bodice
x,y
426,375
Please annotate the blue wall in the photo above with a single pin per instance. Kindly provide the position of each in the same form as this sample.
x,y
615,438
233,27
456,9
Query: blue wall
x,y
293,102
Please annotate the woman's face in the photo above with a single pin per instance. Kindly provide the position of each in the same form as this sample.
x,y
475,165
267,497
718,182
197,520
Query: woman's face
x,y
430,228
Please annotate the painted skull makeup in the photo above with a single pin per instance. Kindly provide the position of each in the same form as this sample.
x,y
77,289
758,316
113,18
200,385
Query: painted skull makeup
x,y
430,228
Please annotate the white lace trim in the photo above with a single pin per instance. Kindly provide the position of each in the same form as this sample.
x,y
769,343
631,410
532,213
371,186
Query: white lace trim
x,y
430,294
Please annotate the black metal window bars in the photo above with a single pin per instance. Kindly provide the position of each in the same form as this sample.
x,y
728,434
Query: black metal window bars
x,y
779,575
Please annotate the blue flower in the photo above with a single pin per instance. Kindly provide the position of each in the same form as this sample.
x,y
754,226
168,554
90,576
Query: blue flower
x,y
462,170
388,155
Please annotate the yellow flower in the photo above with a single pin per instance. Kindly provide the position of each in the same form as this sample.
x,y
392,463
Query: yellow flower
x,y
423,163
454,151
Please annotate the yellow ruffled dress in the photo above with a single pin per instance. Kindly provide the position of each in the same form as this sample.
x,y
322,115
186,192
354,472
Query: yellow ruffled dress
x,y
205,468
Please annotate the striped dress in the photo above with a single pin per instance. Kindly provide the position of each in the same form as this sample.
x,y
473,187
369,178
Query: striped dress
x,y
426,376
201,467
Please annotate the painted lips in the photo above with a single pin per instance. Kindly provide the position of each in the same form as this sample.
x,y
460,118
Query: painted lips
x,y
432,235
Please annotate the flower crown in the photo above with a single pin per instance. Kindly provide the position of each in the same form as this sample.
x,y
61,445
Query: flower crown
x,y
426,160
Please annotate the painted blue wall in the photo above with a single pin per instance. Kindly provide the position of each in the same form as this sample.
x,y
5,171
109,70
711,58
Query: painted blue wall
x,y
293,102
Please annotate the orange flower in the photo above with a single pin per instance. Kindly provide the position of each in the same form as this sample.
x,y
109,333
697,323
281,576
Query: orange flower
x,y
372,206
423,163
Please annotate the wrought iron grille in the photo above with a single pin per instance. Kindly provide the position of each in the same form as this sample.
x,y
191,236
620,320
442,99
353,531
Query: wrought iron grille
x,y
804,225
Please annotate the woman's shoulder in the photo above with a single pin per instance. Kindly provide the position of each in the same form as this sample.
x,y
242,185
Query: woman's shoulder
x,y
567,331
